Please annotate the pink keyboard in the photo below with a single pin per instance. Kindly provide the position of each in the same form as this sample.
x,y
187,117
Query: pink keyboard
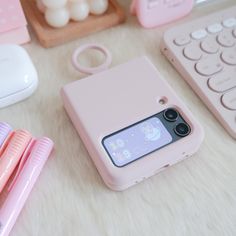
x,y
204,53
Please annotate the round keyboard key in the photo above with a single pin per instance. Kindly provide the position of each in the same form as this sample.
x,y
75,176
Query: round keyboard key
x,y
226,39
230,22
209,66
223,81
229,56
229,99
199,34
215,28
209,46
182,40
192,52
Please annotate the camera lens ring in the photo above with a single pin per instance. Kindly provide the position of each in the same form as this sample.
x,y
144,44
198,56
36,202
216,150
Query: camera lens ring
x,y
171,115
182,130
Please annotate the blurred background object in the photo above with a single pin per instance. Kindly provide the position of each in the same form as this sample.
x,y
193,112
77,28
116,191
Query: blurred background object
x,y
58,21
58,13
13,25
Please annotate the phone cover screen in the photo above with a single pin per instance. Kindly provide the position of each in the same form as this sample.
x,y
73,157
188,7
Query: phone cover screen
x,y
136,141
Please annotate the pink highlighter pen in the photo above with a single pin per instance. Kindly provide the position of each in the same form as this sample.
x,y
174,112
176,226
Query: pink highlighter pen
x,y
23,184
12,154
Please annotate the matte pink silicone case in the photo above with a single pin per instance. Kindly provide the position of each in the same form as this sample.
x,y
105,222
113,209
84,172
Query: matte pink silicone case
x,y
152,13
114,99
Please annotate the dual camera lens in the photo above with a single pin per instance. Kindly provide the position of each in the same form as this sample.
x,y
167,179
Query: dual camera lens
x,y
181,129
171,115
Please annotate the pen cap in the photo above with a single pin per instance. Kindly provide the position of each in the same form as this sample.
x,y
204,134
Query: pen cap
x,y
24,184
12,155
5,129
18,143
40,152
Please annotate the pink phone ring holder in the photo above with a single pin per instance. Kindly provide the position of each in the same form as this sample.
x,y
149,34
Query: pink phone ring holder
x,y
91,70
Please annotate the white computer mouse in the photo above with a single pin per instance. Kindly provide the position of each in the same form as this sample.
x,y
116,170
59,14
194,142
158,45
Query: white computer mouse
x,y
18,76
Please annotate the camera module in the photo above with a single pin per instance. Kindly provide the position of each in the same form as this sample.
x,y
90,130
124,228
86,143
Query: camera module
x,y
171,115
182,129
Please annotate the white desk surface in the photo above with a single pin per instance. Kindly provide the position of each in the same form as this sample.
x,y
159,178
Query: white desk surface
x,y
196,197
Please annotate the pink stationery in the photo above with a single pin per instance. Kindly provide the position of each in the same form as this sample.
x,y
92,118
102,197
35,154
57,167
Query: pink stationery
x,y
12,154
28,172
22,158
13,25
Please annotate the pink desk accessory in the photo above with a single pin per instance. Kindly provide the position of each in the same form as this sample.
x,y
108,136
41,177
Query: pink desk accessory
x,y
25,156
13,25
152,13
11,154
91,70
203,51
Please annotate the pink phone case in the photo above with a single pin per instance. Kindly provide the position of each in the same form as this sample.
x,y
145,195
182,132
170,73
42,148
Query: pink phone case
x,y
117,98
152,13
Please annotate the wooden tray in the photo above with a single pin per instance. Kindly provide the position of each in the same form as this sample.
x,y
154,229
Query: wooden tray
x,y
50,37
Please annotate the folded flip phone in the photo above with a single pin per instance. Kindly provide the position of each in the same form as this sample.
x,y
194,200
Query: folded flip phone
x,y
131,122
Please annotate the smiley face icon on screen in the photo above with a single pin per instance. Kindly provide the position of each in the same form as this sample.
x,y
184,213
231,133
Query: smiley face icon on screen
x,y
151,133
